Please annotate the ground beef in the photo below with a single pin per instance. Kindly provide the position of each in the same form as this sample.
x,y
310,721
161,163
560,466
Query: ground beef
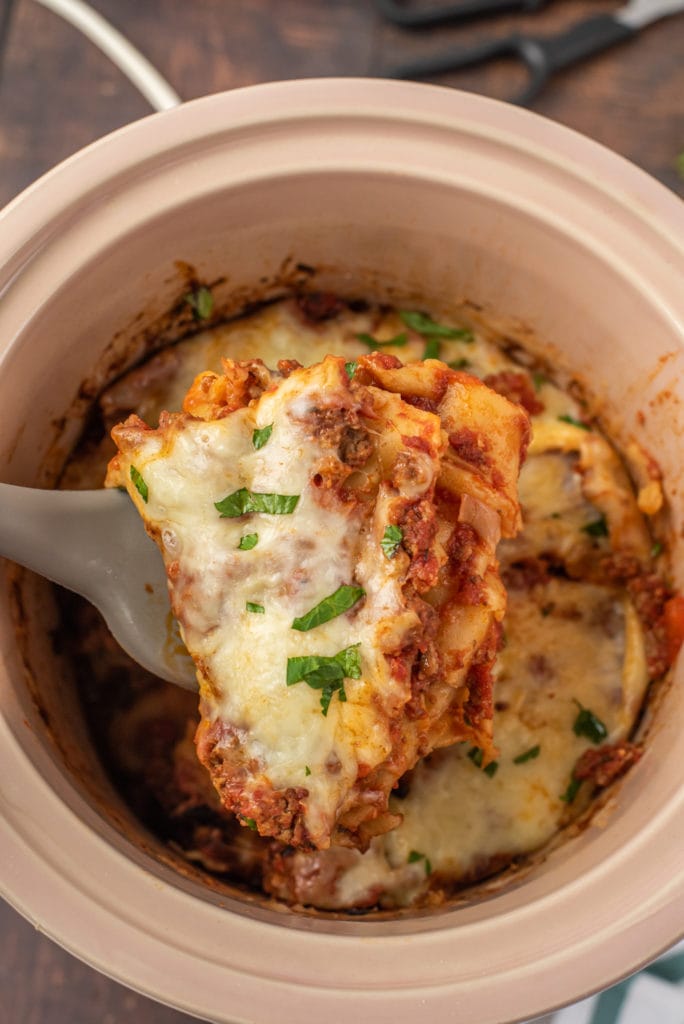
x,y
603,765
517,387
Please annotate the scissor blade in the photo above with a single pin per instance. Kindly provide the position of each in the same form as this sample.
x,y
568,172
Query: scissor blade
x,y
638,13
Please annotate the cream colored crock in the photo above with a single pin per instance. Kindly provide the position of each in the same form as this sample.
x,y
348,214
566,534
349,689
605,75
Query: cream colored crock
x,y
401,189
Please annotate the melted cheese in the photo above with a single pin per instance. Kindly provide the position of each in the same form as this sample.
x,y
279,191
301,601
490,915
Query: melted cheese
x,y
455,814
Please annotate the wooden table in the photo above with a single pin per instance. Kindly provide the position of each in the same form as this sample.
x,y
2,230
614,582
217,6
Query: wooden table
x,y
58,93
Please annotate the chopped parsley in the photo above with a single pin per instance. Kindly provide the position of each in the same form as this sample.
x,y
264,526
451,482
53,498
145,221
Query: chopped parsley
x,y
201,302
398,341
239,503
423,324
598,528
307,770
539,380
657,549
351,369
414,857
249,822
587,724
335,604
391,540
344,598
476,755
139,484
528,755
261,435
432,349
249,541
567,418
571,792
459,364
258,609
326,674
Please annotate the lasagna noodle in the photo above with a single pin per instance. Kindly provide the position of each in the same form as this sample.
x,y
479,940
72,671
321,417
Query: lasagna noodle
x,y
397,482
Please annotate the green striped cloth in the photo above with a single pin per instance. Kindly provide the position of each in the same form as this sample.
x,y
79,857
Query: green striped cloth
x,y
653,996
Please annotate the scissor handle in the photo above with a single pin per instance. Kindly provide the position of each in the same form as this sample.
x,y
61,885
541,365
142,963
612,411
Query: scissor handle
x,y
526,49
541,56
405,17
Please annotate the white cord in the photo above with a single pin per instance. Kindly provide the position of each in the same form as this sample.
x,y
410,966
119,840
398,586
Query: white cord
x,y
130,61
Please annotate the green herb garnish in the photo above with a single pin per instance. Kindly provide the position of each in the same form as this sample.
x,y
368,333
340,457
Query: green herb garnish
x,y
239,503
432,349
476,755
459,364
413,858
325,673
425,325
539,380
258,609
261,435
571,792
398,341
679,164
201,302
599,528
529,755
249,541
567,418
657,549
307,770
344,598
351,369
391,540
139,484
249,822
587,724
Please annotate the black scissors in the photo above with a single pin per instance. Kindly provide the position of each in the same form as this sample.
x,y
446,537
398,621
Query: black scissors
x,y
542,56
405,17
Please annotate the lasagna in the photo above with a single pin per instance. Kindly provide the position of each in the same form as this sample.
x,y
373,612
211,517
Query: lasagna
x,y
591,627
329,535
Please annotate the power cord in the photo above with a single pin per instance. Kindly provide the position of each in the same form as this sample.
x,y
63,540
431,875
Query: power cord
x,y
123,54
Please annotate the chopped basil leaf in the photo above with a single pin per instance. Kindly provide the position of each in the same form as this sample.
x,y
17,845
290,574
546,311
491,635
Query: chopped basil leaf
x,y
539,380
431,350
261,435
307,770
476,755
459,364
326,674
240,502
139,484
414,857
566,418
571,792
599,528
425,325
657,549
344,598
587,724
258,609
351,369
249,822
529,755
201,302
398,341
391,540
249,541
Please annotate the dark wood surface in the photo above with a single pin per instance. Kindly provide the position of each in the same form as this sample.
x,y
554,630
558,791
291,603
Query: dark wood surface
x,y
58,93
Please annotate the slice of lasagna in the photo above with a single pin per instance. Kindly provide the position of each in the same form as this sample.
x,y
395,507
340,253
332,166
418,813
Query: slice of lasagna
x,y
329,536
